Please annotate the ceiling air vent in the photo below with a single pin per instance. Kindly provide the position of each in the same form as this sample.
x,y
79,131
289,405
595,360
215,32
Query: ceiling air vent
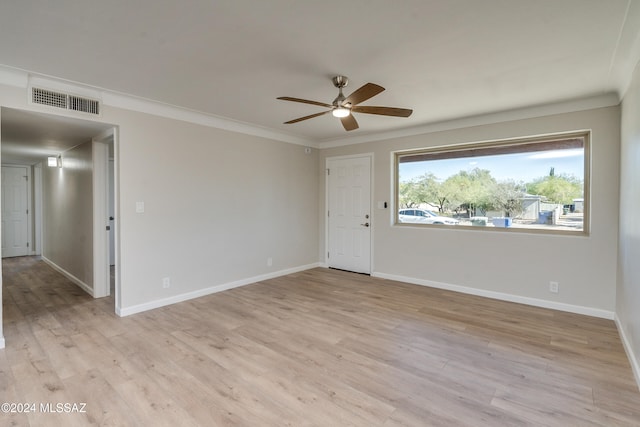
x,y
47,97
85,105
65,101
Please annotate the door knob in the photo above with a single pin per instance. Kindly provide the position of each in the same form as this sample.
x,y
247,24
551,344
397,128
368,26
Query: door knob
x,y
366,224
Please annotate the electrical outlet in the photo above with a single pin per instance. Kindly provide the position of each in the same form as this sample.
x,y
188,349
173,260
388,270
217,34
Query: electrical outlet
x,y
269,262
554,287
166,282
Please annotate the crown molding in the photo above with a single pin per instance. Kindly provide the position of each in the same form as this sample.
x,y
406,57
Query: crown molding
x,y
626,55
129,102
13,77
24,79
568,106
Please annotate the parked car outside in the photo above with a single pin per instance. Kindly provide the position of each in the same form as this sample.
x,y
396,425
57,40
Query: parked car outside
x,y
423,216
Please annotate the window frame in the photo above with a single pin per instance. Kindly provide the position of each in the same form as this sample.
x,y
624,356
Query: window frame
x,y
448,151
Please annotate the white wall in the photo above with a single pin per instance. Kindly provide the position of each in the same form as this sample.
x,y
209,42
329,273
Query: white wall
x,y
509,265
218,204
2,343
628,289
67,226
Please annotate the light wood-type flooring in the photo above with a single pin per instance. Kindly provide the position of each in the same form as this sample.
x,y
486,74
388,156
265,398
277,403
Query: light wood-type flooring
x,y
316,348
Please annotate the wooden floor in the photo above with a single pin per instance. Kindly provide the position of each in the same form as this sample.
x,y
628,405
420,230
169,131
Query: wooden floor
x,y
317,348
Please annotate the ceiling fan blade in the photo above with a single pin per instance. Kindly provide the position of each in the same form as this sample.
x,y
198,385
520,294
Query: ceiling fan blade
x,y
306,117
383,111
305,101
349,122
363,93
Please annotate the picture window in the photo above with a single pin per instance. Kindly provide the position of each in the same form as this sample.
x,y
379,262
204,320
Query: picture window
x,y
528,184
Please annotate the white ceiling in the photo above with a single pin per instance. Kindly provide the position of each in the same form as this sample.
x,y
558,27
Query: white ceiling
x,y
29,137
232,58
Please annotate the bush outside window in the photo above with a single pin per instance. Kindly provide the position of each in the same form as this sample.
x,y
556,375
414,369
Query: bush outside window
x,y
538,183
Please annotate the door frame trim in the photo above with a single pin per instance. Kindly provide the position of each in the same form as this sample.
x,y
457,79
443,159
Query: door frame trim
x,y
37,209
102,188
371,158
101,275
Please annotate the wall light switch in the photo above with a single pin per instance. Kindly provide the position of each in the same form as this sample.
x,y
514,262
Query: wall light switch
x,y
139,207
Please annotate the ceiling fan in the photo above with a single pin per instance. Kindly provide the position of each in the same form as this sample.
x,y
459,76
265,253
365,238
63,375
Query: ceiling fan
x,y
343,107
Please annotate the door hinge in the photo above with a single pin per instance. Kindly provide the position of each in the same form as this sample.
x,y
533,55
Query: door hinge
x,y
27,244
27,211
328,171
328,213
327,254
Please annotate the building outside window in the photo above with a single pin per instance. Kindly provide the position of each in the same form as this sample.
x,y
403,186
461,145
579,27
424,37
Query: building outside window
x,y
535,184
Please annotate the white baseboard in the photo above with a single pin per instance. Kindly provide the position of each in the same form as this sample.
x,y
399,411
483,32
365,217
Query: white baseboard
x,y
588,311
126,311
88,289
633,360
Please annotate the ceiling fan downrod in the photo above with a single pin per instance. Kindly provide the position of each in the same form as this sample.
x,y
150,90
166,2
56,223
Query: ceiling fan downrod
x,y
339,82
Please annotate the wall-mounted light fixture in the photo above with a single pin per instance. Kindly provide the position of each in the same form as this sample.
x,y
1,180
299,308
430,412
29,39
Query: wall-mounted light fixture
x,y
54,162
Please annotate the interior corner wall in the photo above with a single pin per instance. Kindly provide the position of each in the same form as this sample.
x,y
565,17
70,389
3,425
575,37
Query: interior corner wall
x,y
2,343
218,208
628,288
67,227
513,264
221,208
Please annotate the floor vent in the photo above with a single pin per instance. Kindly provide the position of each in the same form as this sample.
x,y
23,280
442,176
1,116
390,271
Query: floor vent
x,y
65,101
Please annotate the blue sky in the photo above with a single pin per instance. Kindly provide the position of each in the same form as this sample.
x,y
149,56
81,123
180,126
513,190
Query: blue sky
x,y
517,167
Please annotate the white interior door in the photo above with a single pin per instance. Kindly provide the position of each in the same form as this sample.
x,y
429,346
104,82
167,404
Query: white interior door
x,y
349,214
15,214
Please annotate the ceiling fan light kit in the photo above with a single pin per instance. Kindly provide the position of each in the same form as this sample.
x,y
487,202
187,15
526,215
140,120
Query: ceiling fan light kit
x,y
343,107
340,112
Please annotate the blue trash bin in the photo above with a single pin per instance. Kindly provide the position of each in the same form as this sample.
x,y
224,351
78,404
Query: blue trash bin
x,y
501,222
545,217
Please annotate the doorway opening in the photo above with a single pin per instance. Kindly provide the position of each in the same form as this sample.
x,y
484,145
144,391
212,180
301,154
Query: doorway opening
x,y
71,201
